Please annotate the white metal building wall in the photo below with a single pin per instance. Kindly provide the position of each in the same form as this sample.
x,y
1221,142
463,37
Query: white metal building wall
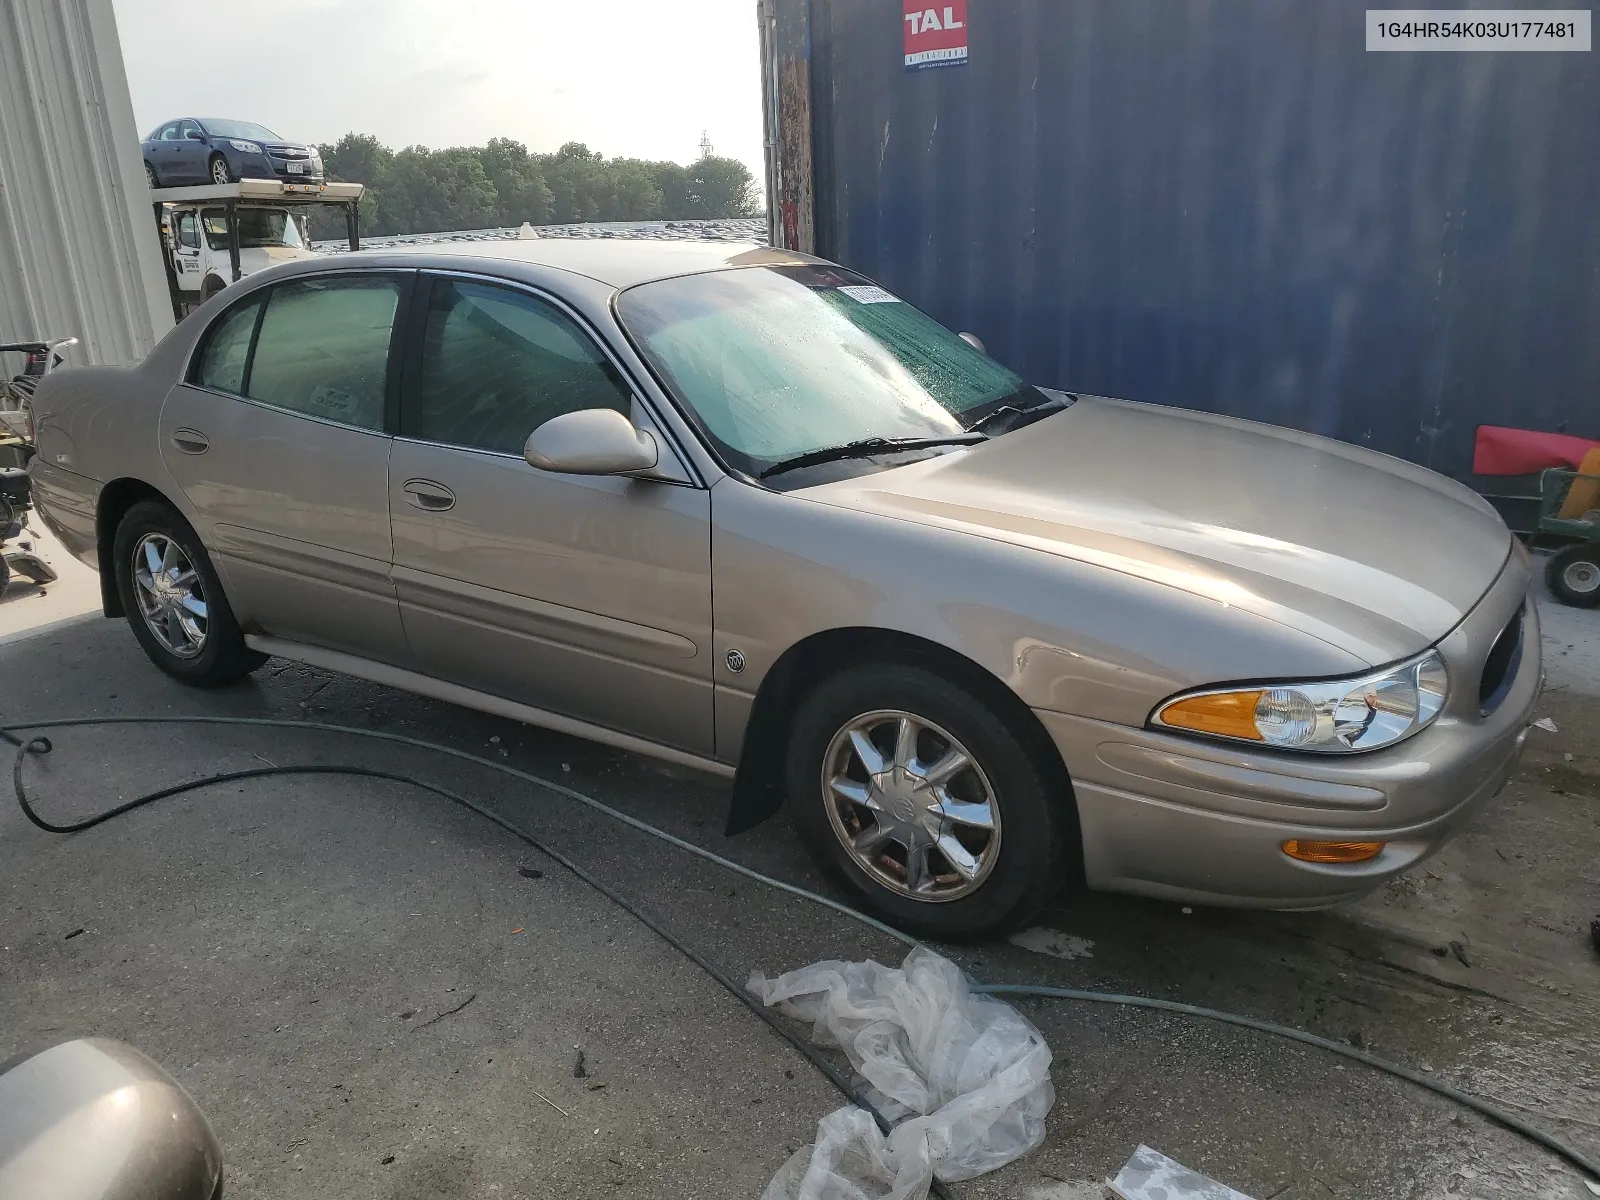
x,y
79,254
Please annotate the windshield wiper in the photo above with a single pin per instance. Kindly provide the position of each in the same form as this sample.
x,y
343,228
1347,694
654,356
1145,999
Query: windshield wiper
x,y
867,447
1047,405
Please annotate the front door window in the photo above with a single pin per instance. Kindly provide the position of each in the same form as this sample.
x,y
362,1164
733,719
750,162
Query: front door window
x,y
497,364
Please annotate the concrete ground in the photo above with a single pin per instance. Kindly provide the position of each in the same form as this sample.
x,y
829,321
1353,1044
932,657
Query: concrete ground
x,y
376,995
26,606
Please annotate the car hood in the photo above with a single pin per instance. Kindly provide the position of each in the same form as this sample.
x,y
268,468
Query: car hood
x,y
259,258
1373,555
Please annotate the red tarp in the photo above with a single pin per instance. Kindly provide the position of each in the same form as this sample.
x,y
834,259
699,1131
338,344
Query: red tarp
x,y
1501,451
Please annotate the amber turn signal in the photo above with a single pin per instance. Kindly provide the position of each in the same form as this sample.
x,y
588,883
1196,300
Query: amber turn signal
x,y
1225,714
1333,852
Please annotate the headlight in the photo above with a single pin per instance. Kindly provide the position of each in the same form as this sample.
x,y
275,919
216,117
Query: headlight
x,y
244,147
1341,717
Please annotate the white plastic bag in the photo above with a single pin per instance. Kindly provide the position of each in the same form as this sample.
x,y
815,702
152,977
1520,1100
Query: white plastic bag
x,y
972,1068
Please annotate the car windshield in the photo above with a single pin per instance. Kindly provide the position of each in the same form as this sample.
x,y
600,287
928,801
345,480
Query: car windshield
x,y
777,362
257,227
238,129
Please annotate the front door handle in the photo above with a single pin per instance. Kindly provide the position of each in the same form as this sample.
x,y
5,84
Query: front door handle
x,y
190,441
428,495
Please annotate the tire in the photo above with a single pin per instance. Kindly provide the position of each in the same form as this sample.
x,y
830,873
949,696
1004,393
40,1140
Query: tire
x,y
150,177
5,574
219,170
219,655
210,288
1011,869
1574,575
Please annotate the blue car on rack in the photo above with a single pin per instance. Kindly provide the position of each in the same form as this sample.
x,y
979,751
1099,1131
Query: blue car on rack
x,y
196,150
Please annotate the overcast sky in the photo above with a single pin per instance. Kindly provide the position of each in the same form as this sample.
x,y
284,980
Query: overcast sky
x,y
632,78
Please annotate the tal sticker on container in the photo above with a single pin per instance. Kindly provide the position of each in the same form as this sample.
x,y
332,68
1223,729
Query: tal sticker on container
x,y
936,34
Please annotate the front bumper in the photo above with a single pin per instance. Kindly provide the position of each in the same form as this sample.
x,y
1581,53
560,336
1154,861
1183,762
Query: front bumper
x,y
1187,819
264,166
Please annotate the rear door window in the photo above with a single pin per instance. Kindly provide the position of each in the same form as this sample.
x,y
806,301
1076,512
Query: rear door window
x,y
323,349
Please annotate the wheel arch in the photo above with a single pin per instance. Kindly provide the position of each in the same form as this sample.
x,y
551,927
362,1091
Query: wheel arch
x,y
758,785
116,498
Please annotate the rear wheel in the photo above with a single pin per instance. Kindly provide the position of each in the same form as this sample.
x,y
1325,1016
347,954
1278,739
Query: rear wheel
x,y
174,599
219,170
1574,575
923,800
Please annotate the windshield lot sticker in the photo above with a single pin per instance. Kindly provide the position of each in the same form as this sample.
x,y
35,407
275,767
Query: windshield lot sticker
x,y
869,294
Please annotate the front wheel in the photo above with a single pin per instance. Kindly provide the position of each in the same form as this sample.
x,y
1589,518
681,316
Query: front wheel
x,y
174,599
1574,575
150,177
219,170
922,799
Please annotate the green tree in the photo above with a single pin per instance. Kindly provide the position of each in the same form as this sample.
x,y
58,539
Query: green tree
x,y
519,181
417,190
721,187
354,158
673,182
633,194
573,173
434,191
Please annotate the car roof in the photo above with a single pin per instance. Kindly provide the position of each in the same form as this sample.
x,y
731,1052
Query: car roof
x,y
619,262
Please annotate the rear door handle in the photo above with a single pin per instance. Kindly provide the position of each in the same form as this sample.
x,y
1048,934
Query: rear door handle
x,y
190,441
428,495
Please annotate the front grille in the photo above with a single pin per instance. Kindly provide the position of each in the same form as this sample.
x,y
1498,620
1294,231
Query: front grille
x,y
299,155
1500,668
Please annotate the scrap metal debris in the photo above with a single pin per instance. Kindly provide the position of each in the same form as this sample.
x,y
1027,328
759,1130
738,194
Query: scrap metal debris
x,y
1151,1175
1546,724
1054,943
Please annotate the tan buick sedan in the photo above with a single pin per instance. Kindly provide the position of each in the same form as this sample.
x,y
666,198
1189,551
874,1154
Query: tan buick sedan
x,y
744,510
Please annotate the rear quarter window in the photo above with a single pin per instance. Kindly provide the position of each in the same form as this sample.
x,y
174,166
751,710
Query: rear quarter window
x,y
226,349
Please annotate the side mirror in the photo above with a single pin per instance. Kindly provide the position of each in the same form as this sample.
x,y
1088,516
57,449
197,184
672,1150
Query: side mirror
x,y
194,135
974,341
593,441
96,1120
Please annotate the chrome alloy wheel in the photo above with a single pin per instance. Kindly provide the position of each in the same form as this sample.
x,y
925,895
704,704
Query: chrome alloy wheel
x,y
171,597
1581,576
911,806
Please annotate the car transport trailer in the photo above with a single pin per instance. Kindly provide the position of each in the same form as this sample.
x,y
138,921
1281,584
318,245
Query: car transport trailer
x,y
203,249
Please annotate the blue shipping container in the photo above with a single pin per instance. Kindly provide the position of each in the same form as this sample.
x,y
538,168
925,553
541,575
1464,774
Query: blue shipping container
x,y
1223,204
